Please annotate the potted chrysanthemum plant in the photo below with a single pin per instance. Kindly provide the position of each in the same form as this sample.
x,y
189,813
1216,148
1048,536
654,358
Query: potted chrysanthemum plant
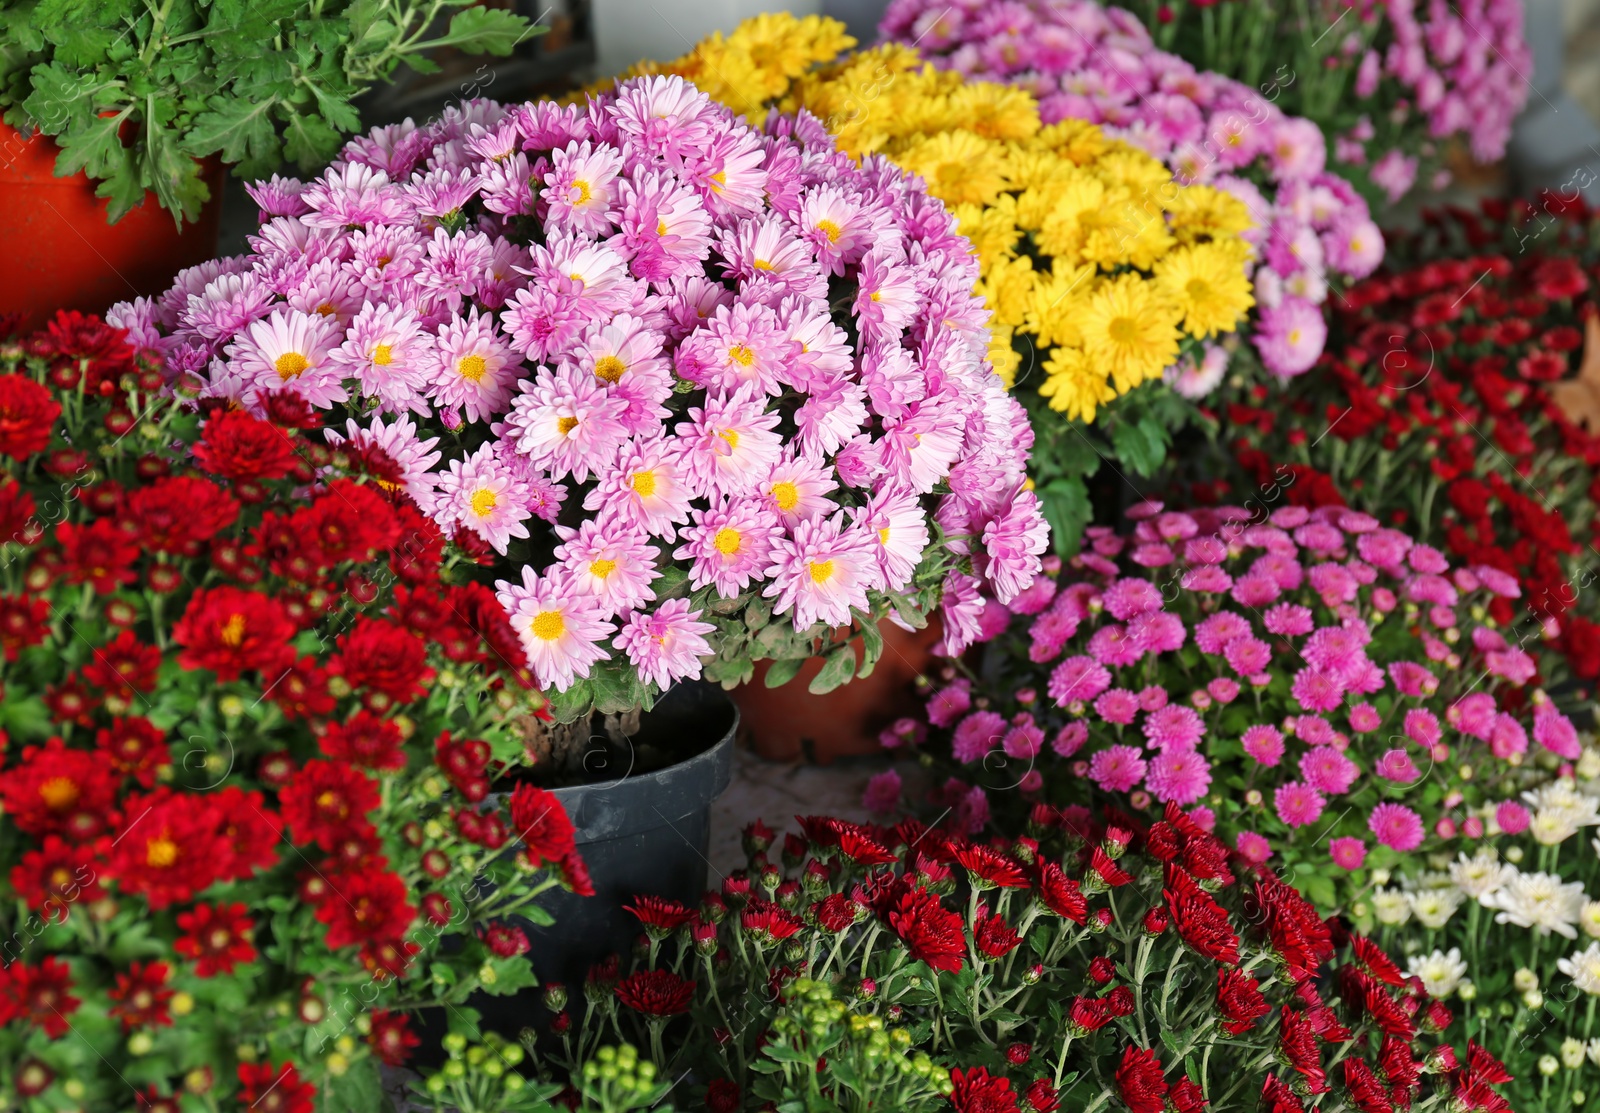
x,y
695,394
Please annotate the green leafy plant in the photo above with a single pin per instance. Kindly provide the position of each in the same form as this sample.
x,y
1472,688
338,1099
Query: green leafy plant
x,y
137,92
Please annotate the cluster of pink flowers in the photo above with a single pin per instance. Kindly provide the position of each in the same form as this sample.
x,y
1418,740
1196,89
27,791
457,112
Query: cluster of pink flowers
x,y
1304,675
1094,63
653,357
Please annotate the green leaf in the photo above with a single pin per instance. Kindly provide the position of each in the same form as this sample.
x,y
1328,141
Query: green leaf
x,y
1065,503
308,141
871,642
510,975
1141,446
837,668
783,670
359,1087
568,706
484,30
240,131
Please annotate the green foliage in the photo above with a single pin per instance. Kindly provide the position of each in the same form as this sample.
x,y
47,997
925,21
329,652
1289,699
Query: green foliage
x,y
137,92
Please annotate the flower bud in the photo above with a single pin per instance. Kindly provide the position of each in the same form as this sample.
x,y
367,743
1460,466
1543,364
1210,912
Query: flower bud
x,y
1156,920
555,996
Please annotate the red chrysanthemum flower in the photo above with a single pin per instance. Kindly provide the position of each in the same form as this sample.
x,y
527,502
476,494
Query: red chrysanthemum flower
x,y
326,801
237,446
169,847
722,1096
379,656
1140,1082
659,915
141,995
1186,1097
1041,1097
656,992
1373,959
231,631
134,747
1298,935
365,908
989,869
27,415
978,1091
250,829
58,789
366,740
350,521
264,1088
1200,920
391,1037
505,940
388,958
541,823
862,849
834,912
100,554
55,875
24,622
180,513
1277,1097
994,936
768,923
1060,893
1390,1016
301,690
124,666
1297,1046
930,931
1239,1001
216,937
41,995
17,524
1400,1069
1364,1088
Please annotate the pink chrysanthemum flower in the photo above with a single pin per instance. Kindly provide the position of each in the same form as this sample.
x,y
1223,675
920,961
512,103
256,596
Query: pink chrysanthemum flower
x,y
1013,543
228,303
1396,826
740,345
728,174
1111,646
482,495
1327,770
766,253
665,116
1254,848
645,488
837,227
895,519
1348,853
610,561
470,367
581,188
625,355
388,352
1174,727
1396,765
729,444
454,266
730,545
567,423
1297,804
882,794
291,348
1555,732
666,645
1078,680
353,194
918,451
401,443
1214,633
1178,775
665,230
560,627
1264,743
976,736
821,572
1117,768
832,414
886,297
1247,655
328,290
1364,718
1118,706
1317,689
591,276
797,489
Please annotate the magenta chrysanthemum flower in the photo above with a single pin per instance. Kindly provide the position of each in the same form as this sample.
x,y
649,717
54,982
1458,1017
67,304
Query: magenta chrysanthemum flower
x,y
1364,718
1247,655
1214,633
1024,740
290,350
1112,646
1174,727
1178,775
729,444
1117,768
895,519
1255,848
1512,818
730,546
1117,706
1396,765
1264,743
821,572
644,488
1288,619
666,645
1129,596
560,627
1078,680
1317,689
1297,804
1348,852
1396,826
387,350
882,794
949,703
976,736
1327,770
1421,726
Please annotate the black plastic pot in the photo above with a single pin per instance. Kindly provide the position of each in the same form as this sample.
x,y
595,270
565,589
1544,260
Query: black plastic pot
x,y
638,833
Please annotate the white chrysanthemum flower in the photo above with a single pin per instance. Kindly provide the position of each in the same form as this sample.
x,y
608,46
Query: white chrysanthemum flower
x,y
1571,1053
1540,901
1551,828
1391,906
1589,919
1594,1051
1441,972
1583,968
1434,907
1589,764
1482,873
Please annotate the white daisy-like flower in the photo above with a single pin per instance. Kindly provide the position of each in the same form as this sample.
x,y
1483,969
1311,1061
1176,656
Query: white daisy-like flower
x,y
1482,873
1583,967
1538,900
1441,972
1391,906
1434,907
1589,919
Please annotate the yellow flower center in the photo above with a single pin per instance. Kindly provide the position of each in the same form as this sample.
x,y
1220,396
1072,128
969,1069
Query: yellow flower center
x,y
1198,289
232,633
718,181
609,369
727,541
883,536
566,424
484,502
473,367
382,356
644,483
661,228
731,436
547,625
741,355
830,229
578,278
1123,330
59,793
581,192
786,495
602,568
1294,336
290,364
326,309
762,265
160,852
875,296
821,571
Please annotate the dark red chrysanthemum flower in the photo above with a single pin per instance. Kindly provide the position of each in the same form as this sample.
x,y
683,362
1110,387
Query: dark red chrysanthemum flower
x,y
365,907
768,923
365,740
326,801
862,849
978,1091
169,847
231,631
722,1096
1239,1001
124,666
1090,1014
994,936
381,657
264,1088
1041,1097
989,869
505,940
834,912
1060,894
1390,1016
237,446
216,937
659,915
27,415
180,513
656,992
1298,935
57,789
54,876
1140,1082
1186,1097
300,690
388,958
391,1037
141,995
101,554
41,995
1200,920
1365,1089
251,830
1277,1097
24,622
541,824
1376,962
1297,1046
932,932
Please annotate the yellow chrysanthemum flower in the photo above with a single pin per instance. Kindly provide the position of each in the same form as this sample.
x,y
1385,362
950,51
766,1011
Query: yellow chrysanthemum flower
x,y
1003,355
1129,330
1008,289
1207,284
1074,385
1053,313
991,228
958,166
1201,211
995,111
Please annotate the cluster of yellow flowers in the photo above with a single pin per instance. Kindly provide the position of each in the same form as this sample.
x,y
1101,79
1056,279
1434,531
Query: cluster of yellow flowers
x,y
1091,256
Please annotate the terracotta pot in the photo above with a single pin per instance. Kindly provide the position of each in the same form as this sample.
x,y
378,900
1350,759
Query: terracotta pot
x,y
62,254
789,723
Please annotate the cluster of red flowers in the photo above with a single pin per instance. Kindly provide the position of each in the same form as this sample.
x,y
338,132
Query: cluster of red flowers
x,y
1456,365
